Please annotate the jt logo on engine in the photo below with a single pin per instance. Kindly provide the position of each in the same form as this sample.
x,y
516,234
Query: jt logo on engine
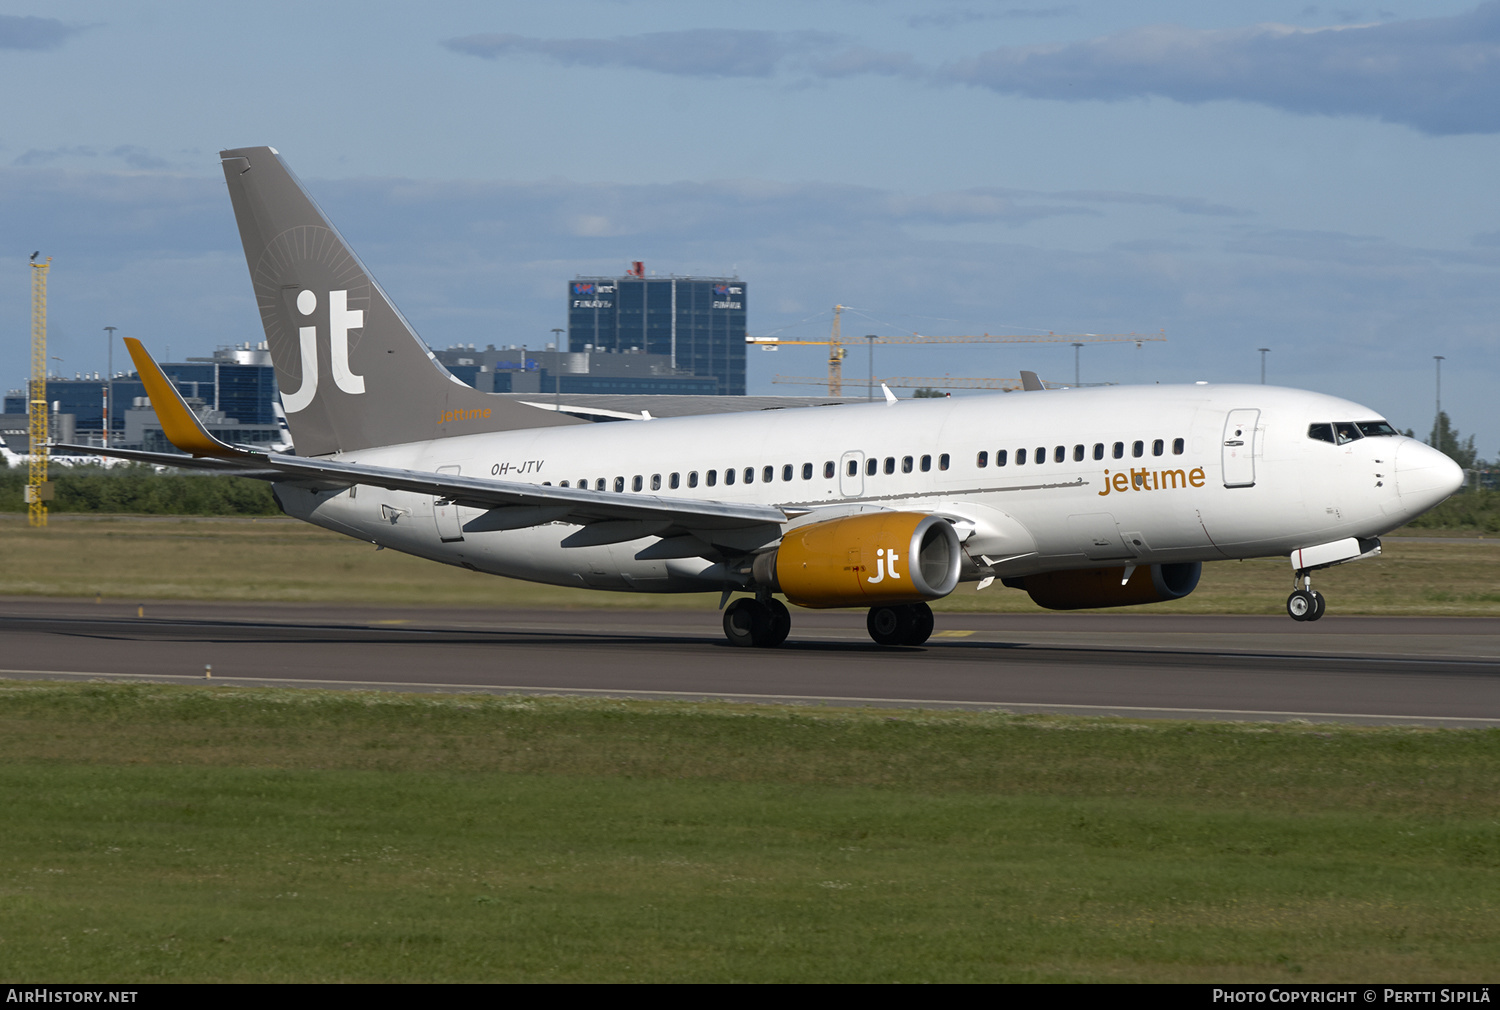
x,y
885,559
341,319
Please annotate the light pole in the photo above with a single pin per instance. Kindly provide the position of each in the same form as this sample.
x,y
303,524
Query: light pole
x,y
1437,418
1263,352
1077,350
870,386
109,383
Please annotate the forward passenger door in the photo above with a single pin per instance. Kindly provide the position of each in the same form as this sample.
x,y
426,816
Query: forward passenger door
x,y
1240,435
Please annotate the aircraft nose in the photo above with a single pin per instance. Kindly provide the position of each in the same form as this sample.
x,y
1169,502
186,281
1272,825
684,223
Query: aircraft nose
x,y
1424,476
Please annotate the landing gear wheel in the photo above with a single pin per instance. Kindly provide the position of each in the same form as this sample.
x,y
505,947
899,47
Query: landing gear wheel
x,y
921,628
889,625
781,622
755,624
1321,605
900,624
747,623
1303,604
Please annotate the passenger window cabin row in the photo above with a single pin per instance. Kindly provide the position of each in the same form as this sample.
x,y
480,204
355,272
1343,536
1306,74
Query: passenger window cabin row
x,y
767,474
1003,457
873,465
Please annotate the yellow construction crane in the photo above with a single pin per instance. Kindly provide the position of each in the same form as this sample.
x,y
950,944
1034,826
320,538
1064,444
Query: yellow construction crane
x,y
38,488
837,348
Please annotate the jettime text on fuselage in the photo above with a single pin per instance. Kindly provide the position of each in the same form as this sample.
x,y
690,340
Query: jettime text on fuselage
x,y
1153,480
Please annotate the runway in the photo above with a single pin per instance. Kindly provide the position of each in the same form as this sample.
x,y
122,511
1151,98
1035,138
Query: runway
x,y
1431,671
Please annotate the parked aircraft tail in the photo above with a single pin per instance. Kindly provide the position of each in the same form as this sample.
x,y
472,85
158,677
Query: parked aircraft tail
x,y
284,442
352,372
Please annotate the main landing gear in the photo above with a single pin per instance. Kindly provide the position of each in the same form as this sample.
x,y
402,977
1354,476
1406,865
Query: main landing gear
x,y
765,623
900,624
760,624
1305,604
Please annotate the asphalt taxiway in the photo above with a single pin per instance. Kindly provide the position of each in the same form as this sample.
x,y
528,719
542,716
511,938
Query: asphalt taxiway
x,y
1423,670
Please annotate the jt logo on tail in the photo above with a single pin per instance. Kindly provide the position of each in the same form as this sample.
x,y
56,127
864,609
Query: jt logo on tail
x,y
341,319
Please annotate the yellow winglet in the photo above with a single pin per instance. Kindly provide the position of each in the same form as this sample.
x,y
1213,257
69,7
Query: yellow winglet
x,y
177,421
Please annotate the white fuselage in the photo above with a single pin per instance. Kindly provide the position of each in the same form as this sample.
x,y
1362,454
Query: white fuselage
x,y
1188,473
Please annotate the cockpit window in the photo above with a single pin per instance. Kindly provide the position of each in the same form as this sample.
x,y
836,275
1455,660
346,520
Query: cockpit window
x,y
1340,432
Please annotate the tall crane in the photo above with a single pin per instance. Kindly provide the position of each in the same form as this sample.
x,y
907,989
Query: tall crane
x,y
837,349
38,490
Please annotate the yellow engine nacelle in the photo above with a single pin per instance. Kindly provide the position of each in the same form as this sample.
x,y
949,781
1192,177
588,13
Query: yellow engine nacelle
x,y
864,560
1100,587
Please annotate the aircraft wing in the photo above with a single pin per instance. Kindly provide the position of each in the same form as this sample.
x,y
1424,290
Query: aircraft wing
x,y
509,504
231,466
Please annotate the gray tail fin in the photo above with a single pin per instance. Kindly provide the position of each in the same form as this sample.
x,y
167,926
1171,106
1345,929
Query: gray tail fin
x,y
353,374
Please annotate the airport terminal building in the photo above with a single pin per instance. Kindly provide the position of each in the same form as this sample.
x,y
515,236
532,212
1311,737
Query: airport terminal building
x,y
627,336
234,392
516,369
697,324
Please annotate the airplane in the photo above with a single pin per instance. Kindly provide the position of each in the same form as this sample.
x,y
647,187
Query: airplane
x,y
83,456
283,442
1082,498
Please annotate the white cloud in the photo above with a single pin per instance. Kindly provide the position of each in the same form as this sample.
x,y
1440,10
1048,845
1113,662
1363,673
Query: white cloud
x,y
698,52
958,17
1438,75
33,32
133,155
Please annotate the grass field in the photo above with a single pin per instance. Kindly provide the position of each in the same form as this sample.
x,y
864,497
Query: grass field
x,y
282,559
155,833
190,834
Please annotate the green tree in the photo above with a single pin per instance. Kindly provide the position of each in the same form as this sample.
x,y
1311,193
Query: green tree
x,y
139,490
927,392
1447,440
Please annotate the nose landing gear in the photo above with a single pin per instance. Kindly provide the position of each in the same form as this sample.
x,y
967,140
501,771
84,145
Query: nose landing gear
x,y
1305,604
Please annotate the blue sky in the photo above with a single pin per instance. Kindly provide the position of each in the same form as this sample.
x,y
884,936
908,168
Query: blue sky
x,y
1317,179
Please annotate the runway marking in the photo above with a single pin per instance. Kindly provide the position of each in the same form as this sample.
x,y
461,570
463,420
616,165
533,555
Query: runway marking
x,y
733,696
952,634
